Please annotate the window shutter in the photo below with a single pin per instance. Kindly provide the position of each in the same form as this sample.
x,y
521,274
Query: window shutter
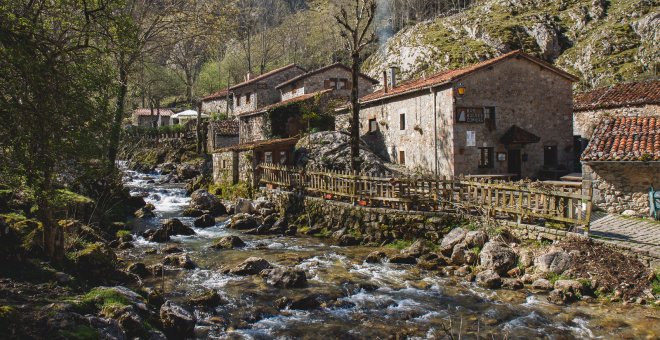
x,y
326,84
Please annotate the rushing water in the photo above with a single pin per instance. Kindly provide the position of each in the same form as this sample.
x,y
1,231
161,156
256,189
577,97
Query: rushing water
x,y
360,300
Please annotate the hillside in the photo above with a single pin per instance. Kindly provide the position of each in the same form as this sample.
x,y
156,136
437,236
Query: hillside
x,y
601,42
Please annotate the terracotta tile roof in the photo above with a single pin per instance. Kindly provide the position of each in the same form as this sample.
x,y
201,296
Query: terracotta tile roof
x,y
147,112
302,98
450,75
620,95
310,73
260,144
227,127
625,139
266,75
217,94
518,135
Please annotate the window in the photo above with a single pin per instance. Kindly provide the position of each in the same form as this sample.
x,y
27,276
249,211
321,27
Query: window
x,y
402,121
238,100
248,98
268,157
337,84
282,157
550,155
402,157
486,158
373,125
224,164
490,118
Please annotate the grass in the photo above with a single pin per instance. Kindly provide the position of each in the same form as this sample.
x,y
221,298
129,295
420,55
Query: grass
x,y
323,233
400,244
655,284
553,277
101,299
122,233
79,332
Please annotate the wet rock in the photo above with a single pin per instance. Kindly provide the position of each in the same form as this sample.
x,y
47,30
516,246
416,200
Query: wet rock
x,y
156,269
348,240
177,322
417,249
251,266
542,284
192,212
489,279
431,261
174,226
512,283
454,237
126,245
304,303
208,299
283,277
243,206
155,297
204,200
375,257
204,221
569,285
156,235
476,238
462,271
561,297
403,259
228,242
144,213
497,256
242,221
556,262
139,269
179,260
172,249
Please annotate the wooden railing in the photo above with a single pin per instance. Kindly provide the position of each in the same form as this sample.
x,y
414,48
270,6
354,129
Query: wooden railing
x,y
531,202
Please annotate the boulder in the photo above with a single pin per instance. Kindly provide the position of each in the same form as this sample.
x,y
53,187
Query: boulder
x,y
251,266
375,257
172,249
460,254
208,299
228,242
475,238
177,322
204,221
156,235
542,284
174,226
569,286
512,283
431,261
243,206
489,279
144,213
283,277
179,260
556,262
403,259
96,262
348,240
204,200
454,237
497,256
560,297
139,269
417,249
192,212
243,222
186,171
279,227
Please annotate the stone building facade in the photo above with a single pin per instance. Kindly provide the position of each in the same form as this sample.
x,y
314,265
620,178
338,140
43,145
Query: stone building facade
x,y
219,102
147,118
260,91
510,115
623,162
222,134
335,77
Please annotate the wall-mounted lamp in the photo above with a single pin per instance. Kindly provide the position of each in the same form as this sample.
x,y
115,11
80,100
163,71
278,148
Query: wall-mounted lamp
x,y
461,89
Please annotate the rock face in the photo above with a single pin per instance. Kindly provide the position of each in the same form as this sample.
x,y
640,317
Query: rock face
x,y
331,150
177,322
556,262
454,237
204,221
498,257
251,266
228,242
203,200
287,278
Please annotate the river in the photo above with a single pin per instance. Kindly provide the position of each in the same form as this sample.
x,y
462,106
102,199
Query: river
x,y
360,300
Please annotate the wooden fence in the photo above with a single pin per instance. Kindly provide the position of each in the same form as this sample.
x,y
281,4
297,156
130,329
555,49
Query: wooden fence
x,y
563,204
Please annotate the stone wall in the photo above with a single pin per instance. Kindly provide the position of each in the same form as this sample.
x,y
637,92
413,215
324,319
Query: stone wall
x,y
622,186
584,122
218,105
253,128
223,166
263,92
316,82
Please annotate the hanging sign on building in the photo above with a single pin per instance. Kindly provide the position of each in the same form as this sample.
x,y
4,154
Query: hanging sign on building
x,y
470,114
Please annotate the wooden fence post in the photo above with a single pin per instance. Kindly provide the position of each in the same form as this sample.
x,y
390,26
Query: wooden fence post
x,y
587,190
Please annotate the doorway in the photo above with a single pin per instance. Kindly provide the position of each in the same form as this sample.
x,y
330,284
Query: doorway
x,y
514,162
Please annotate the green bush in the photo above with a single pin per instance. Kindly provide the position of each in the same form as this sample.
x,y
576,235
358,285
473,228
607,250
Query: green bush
x,y
655,284
399,244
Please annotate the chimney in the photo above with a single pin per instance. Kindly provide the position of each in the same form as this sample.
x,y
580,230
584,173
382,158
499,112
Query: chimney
x,y
392,76
385,81
248,76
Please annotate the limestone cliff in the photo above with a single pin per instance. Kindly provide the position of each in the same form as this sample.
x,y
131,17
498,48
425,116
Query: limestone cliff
x,y
602,42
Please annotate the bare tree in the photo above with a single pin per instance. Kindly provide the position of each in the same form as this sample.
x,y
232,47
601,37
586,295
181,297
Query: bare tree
x,y
357,34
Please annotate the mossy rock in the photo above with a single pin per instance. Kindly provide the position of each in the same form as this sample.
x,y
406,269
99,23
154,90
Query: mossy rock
x,y
79,332
8,317
95,263
30,233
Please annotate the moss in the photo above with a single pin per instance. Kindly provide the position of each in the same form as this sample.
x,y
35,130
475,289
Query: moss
x,y
655,284
323,233
553,277
122,233
65,198
400,244
12,218
100,299
79,332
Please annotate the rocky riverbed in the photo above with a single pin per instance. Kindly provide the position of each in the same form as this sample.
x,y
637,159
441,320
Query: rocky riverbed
x,y
227,278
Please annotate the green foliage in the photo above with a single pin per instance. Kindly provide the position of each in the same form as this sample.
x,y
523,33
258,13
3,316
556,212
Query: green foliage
x,y
65,198
655,284
231,191
400,244
324,233
476,250
122,233
219,116
553,277
79,332
100,299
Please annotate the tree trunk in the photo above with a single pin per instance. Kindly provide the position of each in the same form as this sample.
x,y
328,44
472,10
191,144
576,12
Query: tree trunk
x,y
119,113
53,235
199,129
355,113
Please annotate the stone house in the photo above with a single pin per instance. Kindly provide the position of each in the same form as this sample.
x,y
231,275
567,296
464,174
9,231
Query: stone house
x,y
219,102
222,134
626,99
510,115
623,162
240,162
258,92
147,118
335,77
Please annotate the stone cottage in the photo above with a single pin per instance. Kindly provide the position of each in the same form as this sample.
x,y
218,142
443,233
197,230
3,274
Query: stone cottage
x,y
149,118
219,102
335,77
510,115
627,99
258,92
222,134
623,161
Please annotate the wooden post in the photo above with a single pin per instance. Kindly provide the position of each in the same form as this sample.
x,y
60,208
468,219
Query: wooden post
x,y
587,190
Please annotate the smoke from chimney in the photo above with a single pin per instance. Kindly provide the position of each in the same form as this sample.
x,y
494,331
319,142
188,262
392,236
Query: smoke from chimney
x,y
385,84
